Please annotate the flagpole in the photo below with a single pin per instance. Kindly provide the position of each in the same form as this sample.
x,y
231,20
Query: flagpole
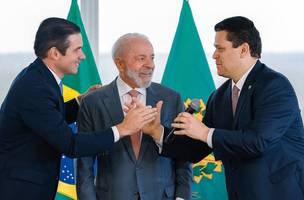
x,y
90,18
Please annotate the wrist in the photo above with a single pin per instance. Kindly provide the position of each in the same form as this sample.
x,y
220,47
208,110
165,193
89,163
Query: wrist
x,y
122,130
156,134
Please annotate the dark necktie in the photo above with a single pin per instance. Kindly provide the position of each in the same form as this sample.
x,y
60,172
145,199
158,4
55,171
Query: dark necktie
x,y
234,97
135,138
61,87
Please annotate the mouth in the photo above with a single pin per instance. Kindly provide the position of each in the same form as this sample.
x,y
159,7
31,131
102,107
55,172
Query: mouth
x,y
146,74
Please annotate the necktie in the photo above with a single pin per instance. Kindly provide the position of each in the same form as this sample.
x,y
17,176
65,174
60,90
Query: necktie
x,y
61,88
234,97
135,138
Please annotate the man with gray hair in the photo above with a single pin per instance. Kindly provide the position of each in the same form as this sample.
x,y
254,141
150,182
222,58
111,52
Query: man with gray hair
x,y
133,170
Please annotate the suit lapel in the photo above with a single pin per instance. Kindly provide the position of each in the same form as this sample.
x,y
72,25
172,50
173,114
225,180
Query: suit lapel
x,y
246,91
112,103
51,81
113,106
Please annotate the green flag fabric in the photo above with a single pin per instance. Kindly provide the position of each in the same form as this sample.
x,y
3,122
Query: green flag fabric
x,y
187,72
88,73
73,85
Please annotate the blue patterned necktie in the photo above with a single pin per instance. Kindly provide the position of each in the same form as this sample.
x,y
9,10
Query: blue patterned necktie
x,y
60,87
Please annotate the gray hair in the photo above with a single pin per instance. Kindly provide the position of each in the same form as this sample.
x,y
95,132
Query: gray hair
x,y
119,45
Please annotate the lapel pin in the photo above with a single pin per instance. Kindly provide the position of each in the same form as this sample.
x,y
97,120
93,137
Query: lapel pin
x,y
249,87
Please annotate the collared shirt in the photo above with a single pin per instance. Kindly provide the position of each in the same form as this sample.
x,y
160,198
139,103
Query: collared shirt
x,y
58,80
125,98
239,85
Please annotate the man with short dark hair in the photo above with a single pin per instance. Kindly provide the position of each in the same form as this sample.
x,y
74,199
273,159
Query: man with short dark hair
x,y
34,119
252,122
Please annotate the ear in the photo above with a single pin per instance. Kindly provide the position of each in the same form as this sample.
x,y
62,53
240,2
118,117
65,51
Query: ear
x,y
245,50
120,64
53,53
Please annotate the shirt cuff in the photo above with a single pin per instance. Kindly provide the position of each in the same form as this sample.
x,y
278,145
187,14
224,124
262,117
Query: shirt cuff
x,y
209,137
77,100
116,133
178,198
159,143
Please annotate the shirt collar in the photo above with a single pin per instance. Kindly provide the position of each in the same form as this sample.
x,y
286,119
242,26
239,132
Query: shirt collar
x,y
241,82
58,80
124,88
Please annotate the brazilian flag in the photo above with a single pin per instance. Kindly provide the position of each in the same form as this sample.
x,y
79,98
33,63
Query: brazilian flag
x,y
187,71
73,85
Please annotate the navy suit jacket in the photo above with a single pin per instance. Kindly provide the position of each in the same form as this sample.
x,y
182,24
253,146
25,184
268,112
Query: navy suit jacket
x,y
34,132
262,147
119,174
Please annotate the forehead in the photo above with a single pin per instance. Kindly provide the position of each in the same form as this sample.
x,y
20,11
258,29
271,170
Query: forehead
x,y
221,38
75,40
139,46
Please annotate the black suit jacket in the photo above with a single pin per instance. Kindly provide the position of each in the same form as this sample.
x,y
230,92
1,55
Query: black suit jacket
x,y
262,147
34,133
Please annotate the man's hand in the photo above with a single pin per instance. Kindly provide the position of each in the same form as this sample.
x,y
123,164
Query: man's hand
x,y
91,89
154,128
190,126
137,117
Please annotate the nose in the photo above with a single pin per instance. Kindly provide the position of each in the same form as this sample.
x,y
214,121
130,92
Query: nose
x,y
82,55
215,55
150,63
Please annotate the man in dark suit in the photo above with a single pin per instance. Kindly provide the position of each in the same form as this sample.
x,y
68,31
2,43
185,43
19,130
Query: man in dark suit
x,y
133,170
34,120
252,122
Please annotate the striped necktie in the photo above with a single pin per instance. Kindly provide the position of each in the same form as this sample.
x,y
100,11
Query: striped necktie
x,y
135,138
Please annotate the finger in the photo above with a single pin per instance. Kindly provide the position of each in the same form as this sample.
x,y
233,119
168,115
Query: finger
x,y
147,121
148,112
126,109
128,105
178,125
159,106
180,132
180,119
149,115
185,114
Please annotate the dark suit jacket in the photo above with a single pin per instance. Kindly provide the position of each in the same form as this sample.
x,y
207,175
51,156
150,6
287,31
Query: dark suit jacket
x,y
34,132
262,147
119,174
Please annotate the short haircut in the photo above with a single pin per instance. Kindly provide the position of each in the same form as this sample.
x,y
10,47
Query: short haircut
x,y
241,30
53,32
119,45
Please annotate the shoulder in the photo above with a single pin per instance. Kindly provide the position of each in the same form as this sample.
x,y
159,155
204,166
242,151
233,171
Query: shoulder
x,y
269,78
101,93
163,90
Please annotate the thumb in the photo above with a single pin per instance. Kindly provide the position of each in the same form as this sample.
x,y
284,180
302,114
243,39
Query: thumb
x,y
159,106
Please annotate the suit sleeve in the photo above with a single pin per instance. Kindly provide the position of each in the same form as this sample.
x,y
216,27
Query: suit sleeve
x,y
185,148
85,166
183,169
71,110
274,109
40,111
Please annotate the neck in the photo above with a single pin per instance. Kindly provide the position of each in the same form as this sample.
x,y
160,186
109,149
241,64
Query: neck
x,y
51,65
243,69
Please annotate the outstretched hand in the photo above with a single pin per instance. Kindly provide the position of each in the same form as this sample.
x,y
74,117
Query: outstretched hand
x,y
190,126
91,89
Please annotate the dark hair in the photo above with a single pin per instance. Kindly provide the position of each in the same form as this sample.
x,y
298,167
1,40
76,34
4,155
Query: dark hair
x,y
241,30
53,32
